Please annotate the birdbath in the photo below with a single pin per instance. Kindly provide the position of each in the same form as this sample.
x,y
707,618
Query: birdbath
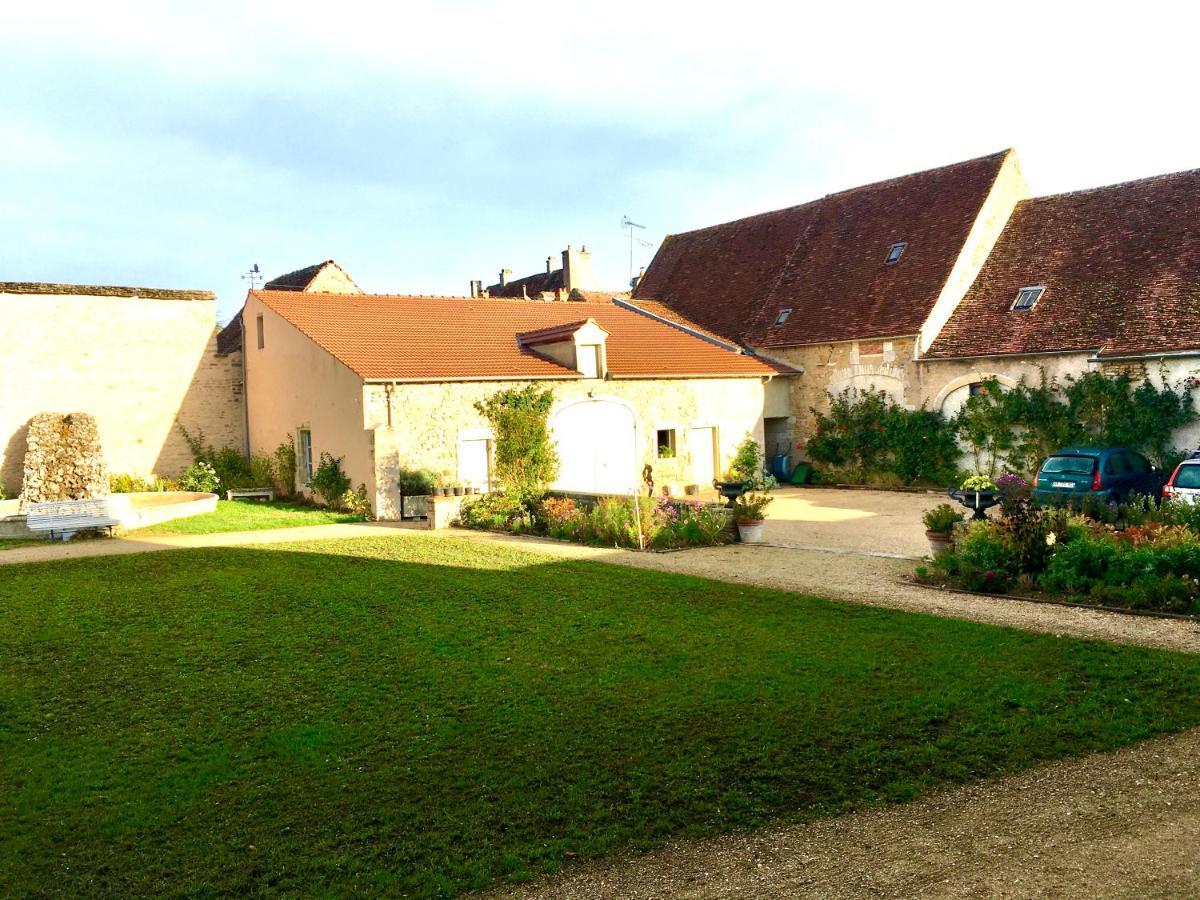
x,y
731,490
979,501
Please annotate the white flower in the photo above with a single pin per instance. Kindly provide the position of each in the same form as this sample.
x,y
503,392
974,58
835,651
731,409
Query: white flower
x,y
1051,539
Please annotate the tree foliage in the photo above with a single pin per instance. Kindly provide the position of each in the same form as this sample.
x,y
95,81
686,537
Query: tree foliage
x,y
526,462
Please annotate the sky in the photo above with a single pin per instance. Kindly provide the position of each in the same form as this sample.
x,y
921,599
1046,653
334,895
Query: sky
x,y
423,145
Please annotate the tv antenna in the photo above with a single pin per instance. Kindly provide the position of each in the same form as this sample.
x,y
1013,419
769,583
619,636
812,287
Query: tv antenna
x,y
628,223
254,276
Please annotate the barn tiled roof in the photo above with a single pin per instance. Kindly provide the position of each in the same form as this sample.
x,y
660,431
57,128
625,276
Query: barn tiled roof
x,y
529,286
825,260
385,337
297,280
1121,268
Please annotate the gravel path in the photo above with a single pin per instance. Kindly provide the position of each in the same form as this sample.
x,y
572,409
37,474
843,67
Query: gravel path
x,y
1121,824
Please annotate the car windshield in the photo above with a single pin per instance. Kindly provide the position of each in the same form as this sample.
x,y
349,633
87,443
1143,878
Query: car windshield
x,y
1071,465
1188,477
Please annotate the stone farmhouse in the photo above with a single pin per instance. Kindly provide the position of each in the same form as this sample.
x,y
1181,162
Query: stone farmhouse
x,y
924,286
390,383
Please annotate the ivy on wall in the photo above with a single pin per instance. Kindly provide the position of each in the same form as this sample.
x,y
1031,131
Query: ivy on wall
x,y
526,462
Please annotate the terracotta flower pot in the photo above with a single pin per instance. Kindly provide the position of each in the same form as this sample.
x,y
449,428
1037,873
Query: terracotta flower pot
x,y
750,532
939,542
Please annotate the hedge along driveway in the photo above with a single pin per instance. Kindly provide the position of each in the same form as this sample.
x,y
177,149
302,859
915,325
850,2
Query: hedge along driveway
x,y
430,715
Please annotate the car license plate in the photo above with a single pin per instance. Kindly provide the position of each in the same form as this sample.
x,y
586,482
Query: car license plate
x,y
1066,484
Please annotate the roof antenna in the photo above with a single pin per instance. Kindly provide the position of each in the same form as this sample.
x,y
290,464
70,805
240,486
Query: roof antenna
x,y
254,276
628,223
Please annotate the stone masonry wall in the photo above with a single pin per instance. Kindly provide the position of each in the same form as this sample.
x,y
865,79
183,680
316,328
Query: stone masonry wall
x,y
886,365
428,420
64,460
139,365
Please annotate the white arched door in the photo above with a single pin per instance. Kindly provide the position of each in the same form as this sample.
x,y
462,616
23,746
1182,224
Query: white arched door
x,y
597,447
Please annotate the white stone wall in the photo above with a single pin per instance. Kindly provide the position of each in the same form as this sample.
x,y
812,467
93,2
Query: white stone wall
x,y
427,421
138,365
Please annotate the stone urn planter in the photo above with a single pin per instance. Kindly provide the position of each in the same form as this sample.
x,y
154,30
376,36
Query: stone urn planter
x,y
940,542
979,501
750,532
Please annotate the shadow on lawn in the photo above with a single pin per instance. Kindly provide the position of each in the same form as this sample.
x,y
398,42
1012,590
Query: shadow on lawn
x,y
434,715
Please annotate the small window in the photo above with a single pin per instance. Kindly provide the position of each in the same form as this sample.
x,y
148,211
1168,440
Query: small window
x,y
895,253
589,360
304,460
259,324
977,388
1027,297
666,443
783,316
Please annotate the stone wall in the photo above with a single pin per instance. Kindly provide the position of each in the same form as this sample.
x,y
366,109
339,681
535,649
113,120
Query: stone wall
x,y
885,365
136,362
429,420
64,459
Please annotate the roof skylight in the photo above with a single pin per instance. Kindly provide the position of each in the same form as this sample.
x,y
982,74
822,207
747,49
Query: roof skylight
x,y
896,252
1027,297
783,316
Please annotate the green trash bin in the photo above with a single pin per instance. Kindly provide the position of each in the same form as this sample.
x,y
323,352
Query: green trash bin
x,y
802,473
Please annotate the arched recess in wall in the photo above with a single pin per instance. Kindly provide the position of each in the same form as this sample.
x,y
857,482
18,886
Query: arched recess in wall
x,y
950,399
882,377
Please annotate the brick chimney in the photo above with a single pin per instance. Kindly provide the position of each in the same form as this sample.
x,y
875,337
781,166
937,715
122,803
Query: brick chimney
x,y
549,264
505,274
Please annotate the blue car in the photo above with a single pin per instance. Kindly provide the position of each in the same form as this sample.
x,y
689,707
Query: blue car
x,y
1076,475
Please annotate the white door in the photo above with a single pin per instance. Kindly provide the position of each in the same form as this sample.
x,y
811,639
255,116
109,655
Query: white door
x,y
473,457
702,446
597,452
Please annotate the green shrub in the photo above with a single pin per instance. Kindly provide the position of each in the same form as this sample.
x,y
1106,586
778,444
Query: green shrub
x,y
501,509
329,481
867,438
526,462
689,523
747,466
415,482
136,484
202,477
751,507
285,466
942,518
357,503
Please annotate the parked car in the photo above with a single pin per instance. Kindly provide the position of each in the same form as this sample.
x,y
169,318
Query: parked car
x,y
1108,474
1184,483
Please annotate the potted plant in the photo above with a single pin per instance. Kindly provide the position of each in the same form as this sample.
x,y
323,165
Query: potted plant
x,y
978,492
939,524
749,510
458,490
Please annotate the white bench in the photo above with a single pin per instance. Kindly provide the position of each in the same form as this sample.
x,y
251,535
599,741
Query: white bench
x,y
250,493
63,518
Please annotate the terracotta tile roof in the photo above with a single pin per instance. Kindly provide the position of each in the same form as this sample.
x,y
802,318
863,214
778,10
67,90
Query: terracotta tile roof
x,y
825,261
530,285
662,311
552,334
719,276
385,337
229,338
297,280
1121,267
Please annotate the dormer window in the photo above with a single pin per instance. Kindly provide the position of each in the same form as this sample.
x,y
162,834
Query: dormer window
x,y
895,253
1027,297
589,360
782,317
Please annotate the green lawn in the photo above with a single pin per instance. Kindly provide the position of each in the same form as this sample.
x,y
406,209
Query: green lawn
x,y
247,515
423,715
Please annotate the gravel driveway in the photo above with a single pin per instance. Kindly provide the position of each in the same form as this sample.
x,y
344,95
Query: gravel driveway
x,y
1120,824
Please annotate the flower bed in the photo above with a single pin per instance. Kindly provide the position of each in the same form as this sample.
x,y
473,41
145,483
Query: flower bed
x,y
658,524
1149,559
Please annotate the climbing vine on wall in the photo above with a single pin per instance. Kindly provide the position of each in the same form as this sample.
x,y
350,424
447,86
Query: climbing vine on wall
x,y
526,462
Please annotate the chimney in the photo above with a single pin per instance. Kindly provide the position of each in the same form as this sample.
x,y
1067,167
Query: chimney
x,y
549,264
577,270
637,279
476,290
505,274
